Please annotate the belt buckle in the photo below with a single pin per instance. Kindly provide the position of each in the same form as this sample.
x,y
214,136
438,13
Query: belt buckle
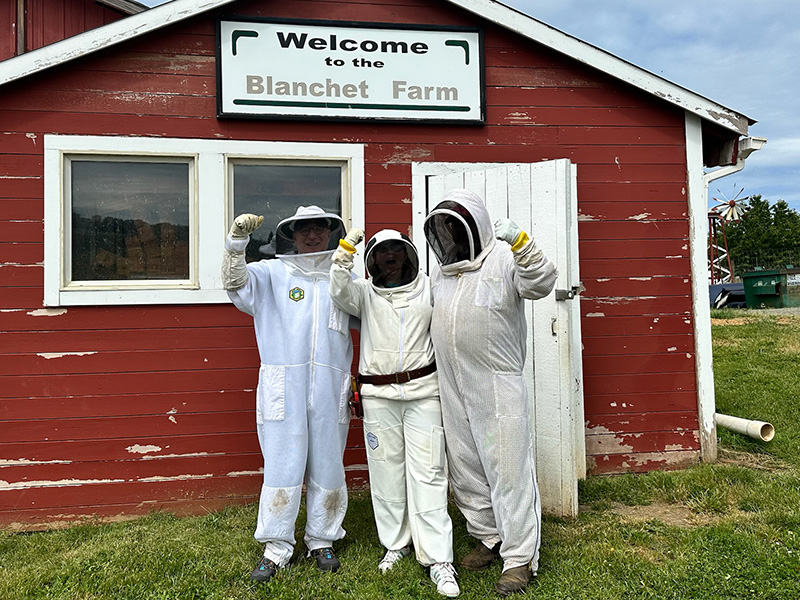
x,y
406,379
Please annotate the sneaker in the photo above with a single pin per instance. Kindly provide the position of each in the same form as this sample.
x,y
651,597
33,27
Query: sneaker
x,y
480,557
513,581
326,559
392,557
264,571
444,576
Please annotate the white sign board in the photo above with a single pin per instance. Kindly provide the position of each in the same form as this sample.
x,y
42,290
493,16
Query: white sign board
x,y
326,70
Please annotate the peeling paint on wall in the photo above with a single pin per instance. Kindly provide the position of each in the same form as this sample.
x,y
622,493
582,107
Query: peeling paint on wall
x,y
138,449
639,217
24,461
188,454
22,485
160,478
595,314
601,440
48,312
49,355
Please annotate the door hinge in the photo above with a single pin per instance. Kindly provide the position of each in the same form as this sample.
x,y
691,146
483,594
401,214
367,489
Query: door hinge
x,y
570,293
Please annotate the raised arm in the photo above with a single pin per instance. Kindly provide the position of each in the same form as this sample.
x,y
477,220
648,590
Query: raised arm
x,y
345,293
534,275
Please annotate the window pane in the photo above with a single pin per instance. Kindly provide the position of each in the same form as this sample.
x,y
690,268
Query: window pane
x,y
276,191
130,220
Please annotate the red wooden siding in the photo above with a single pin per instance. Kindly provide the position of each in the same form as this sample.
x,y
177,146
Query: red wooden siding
x,y
49,21
8,29
115,410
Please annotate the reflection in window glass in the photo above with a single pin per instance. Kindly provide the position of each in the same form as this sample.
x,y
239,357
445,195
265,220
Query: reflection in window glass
x,y
276,191
130,220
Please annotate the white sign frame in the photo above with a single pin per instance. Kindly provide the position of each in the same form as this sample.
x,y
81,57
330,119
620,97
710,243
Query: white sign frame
x,y
321,70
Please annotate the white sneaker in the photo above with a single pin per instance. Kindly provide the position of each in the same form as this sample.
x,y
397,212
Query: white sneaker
x,y
392,557
444,576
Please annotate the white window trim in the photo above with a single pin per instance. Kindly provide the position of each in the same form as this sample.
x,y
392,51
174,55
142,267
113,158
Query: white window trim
x,y
210,210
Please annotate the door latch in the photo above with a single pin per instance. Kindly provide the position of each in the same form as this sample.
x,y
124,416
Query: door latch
x,y
570,293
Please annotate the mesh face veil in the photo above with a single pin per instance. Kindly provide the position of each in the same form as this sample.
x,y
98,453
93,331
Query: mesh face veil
x,y
391,259
310,229
452,233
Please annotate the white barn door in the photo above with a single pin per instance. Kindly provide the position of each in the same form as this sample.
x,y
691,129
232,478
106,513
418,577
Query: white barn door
x,y
541,198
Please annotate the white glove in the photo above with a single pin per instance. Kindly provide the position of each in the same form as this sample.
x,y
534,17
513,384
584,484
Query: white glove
x,y
506,230
244,225
354,236
347,248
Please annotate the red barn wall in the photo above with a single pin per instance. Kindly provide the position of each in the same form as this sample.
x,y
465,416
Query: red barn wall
x,y
8,28
49,21
182,377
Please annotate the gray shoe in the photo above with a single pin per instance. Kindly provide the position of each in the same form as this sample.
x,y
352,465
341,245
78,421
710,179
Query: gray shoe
x,y
264,571
326,559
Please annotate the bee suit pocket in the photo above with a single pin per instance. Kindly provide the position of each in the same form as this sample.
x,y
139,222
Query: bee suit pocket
x,y
374,440
490,292
510,394
437,447
339,321
270,398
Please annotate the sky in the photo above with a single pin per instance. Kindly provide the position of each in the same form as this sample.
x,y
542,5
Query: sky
x,y
741,54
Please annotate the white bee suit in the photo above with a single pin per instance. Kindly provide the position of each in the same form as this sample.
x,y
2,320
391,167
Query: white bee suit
x,y
302,411
479,334
402,421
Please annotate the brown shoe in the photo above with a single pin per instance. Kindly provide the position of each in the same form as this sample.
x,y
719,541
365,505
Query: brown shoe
x,y
480,557
514,580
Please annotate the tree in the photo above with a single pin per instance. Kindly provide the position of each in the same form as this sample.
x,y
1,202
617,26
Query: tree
x,y
767,236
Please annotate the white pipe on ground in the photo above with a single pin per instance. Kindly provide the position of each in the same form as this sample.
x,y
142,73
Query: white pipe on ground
x,y
758,430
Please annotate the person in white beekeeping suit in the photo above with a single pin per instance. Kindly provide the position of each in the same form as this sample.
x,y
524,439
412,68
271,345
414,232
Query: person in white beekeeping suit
x,y
302,401
400,395
479,331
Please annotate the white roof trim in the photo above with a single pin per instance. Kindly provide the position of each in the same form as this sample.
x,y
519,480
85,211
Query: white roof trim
x,y
491,10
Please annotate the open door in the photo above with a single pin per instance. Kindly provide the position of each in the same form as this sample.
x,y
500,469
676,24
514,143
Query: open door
x,y
541,198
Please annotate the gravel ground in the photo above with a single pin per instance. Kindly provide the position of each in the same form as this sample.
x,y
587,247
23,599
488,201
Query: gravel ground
x,y
793,310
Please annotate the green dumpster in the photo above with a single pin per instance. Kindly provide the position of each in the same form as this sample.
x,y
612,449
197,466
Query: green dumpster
x,y
777,288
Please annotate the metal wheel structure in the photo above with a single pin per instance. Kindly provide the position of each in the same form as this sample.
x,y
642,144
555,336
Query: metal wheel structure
x,y
720,266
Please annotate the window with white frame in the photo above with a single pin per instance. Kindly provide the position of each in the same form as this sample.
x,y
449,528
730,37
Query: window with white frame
x,y
143,220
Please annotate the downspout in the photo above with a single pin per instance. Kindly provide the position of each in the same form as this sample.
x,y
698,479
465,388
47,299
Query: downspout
x,y
702,321
21,28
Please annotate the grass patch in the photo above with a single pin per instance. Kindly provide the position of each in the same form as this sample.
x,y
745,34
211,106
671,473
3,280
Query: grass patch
x,y
757,376
725,531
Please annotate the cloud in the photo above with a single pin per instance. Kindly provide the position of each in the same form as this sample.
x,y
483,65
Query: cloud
x,y
741,54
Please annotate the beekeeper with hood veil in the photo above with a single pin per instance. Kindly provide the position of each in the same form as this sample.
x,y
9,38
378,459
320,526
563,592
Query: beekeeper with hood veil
x,y
479,334
400,396
302,411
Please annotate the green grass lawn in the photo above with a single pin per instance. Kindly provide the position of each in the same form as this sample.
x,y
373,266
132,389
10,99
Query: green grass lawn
x,y
729,530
